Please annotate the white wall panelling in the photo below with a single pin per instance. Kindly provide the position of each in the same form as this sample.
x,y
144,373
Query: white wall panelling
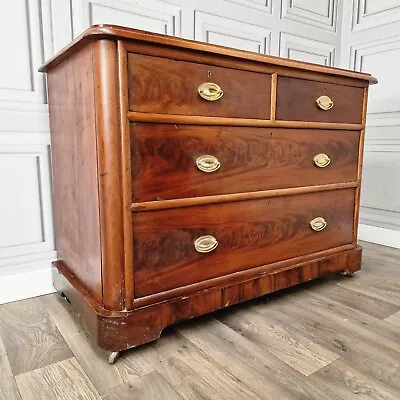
x,y
371,43
21,53
227,32
259,5
373,13
155,16
382,57
57,25
321,13
309,50
318,31
26,210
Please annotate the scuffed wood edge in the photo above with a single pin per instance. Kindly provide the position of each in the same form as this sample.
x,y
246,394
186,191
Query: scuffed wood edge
x,y
135,116
117,331
126,174
274,81
224,198
359,167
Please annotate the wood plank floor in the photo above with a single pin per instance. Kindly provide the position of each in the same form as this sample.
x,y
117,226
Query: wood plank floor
x,y
334,338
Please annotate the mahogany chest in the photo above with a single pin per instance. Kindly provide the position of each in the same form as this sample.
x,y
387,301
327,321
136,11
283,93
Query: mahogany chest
x,y
189,177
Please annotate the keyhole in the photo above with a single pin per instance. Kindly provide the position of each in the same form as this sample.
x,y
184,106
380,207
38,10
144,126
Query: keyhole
x,y
209,74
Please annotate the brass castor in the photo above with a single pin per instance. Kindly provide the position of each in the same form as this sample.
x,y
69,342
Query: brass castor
x,y
112,357
65,297
349,274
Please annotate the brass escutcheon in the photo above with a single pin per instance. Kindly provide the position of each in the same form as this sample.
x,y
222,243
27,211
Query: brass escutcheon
x,y
324,103
318,224
207,163
210,91
322,160
205,244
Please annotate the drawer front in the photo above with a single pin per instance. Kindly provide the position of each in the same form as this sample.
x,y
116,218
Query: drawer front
x,y
248,234
160,85
298,99
173,161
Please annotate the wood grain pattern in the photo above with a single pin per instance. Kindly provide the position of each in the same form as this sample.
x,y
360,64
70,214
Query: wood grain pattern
x,y
109,173
120,330
30,337
64,380
126,176
378,288
164,156
243,358
319,321
352,364
74,163
246,64
129,275
284,274
195,375
206,358
222,121
250,233
360,165
243,291
296,101
342,380
300,353
112,31
149,387
234,197
8,386
159,85
394,319
274,80
358,301
93,362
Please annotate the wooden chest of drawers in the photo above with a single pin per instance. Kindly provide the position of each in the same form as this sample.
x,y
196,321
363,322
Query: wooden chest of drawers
x,y
190,177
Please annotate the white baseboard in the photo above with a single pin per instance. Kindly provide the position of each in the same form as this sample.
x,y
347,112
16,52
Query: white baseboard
x,y
23,285
374,234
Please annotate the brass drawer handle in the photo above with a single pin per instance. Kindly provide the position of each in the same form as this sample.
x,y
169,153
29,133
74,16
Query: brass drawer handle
x,y
210,91
324,103
207,163
322,160
205,244
318,224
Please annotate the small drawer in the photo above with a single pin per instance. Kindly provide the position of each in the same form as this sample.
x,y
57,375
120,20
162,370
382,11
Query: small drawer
x,y
178,247
179,161
160,85
303,100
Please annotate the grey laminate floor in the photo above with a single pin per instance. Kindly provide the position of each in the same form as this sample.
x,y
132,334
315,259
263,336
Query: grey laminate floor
x,y
336,338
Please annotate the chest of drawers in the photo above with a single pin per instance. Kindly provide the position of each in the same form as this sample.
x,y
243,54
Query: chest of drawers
x,y
189,177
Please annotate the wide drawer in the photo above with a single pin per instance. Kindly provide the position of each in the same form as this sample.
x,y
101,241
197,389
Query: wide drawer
x,y
238,236
178,161
160,85
303,100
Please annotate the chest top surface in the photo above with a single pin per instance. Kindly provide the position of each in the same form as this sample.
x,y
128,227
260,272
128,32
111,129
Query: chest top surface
x,y
97,32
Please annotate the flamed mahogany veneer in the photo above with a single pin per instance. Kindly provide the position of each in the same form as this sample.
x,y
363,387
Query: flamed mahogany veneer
x,y
189,177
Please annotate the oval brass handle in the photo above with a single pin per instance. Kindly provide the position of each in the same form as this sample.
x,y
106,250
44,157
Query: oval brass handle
x,y
207,163
324,103
318,224
210,91
322,160
205,244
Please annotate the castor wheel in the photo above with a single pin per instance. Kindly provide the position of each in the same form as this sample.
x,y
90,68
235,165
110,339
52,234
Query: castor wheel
x,y
65,297
348,274
112,357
